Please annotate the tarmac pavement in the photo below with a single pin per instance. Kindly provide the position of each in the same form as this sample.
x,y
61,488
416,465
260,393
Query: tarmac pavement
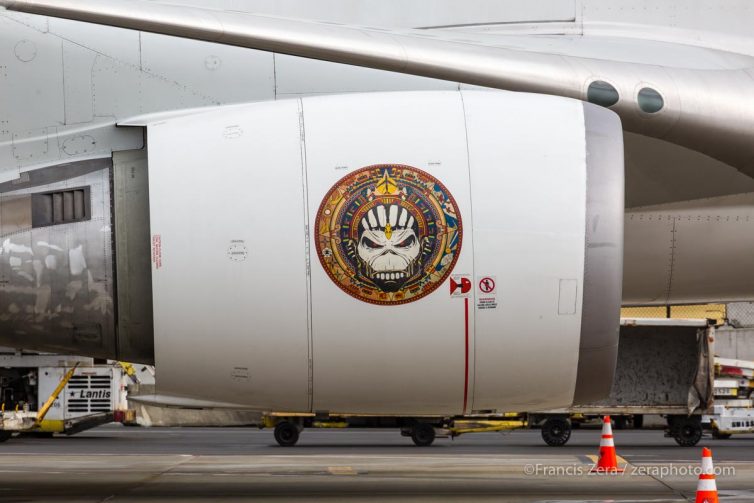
x,y
115,463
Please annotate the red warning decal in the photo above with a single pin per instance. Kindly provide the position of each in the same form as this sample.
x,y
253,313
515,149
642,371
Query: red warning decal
x,y
487,285
487,292
460,285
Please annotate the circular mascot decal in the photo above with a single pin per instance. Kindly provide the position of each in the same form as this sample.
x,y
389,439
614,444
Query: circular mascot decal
x,y
388,234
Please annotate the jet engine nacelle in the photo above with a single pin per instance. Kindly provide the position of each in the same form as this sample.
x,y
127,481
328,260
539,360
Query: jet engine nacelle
x,y
401,253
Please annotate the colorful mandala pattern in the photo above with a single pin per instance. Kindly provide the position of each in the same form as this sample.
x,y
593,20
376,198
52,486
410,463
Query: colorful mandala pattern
x,y
388,234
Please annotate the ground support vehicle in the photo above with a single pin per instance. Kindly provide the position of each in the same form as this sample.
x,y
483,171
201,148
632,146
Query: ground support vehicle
x,y
665,367
733,412
43,394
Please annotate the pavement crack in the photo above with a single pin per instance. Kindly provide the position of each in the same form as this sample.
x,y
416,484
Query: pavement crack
x,y
673,490
151,478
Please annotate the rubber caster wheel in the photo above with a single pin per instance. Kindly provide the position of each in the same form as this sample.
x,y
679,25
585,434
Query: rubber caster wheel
x,y
423,434
286,434
556,431
686,431
37,434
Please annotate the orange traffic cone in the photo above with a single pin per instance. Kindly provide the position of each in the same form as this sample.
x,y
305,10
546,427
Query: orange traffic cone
x,y
706,489
608,461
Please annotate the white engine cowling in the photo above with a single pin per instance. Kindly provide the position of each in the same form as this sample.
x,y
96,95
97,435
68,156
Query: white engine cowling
x,y
395,254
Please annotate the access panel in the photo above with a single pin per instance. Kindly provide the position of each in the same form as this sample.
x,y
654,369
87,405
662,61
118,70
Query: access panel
x,y
390,226
228,256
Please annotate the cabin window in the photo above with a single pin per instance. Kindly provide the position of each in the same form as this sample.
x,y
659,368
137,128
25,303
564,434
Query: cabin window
x,y
602,93
60,207
650,101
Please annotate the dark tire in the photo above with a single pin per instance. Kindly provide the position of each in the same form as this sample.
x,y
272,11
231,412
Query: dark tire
x,y
423,434
5,435
556,431
638,421
620,422
286,434
687,431
720,436
37,434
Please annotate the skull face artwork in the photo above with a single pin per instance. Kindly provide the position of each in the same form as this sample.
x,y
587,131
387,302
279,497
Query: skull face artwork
x,y
388,248
388,234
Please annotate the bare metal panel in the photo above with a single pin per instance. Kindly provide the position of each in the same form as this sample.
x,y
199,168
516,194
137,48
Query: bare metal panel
x,y
713,251
56,282
660,172
135,328
603,260
15,214
648,254
690,252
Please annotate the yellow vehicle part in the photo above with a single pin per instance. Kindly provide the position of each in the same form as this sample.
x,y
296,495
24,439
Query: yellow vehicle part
x,y
130,371
269,421
327,424
51,426
128,368
54,396
511,414
511,421
476,426
289,414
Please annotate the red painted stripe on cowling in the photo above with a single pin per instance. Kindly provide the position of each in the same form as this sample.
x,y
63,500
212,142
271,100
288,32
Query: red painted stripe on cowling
x,y
466,357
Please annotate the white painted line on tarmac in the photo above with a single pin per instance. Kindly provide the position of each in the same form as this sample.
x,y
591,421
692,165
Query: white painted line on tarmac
x,y
111,454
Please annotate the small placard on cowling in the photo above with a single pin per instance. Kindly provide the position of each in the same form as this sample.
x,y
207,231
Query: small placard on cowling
x,y
486,292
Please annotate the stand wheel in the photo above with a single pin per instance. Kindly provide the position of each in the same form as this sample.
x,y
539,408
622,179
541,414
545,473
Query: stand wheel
x,y
423,434
687,431
286,434
556,431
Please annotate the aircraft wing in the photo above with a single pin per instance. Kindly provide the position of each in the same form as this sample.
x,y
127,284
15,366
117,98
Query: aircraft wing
x,y
710,110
